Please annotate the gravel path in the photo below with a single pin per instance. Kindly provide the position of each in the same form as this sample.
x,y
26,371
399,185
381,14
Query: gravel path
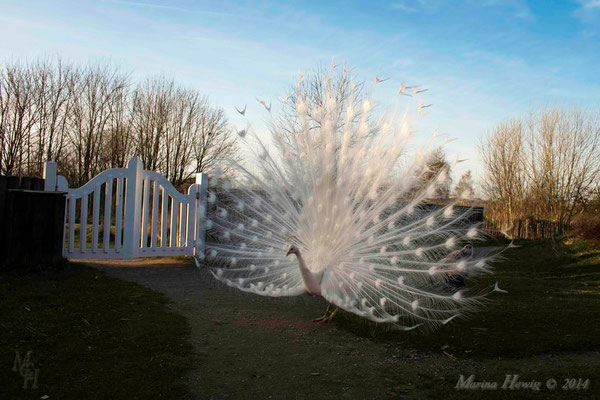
x,y
247,343
176,277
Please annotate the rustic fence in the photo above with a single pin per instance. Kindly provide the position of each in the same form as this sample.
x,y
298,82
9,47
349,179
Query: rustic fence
x,y
31,223
528,228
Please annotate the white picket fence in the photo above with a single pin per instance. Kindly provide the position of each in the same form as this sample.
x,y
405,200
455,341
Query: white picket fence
x,y
129,213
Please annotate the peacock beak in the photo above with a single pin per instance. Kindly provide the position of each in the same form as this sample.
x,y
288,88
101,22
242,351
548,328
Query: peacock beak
x,y
290,250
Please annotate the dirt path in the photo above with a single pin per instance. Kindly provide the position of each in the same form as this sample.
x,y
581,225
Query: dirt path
x,y
177,277
257,347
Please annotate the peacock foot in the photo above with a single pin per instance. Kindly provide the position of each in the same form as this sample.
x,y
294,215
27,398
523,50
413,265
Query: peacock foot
x,y
326,318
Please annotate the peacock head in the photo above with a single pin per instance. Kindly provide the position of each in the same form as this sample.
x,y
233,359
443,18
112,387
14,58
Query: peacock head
x,y
293,249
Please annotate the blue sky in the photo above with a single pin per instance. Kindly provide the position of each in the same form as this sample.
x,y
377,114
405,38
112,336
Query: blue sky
x,y
483,61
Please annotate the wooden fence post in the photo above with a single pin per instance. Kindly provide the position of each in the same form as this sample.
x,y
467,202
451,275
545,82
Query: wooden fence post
x,y
133,208
201,209
192,212
50,178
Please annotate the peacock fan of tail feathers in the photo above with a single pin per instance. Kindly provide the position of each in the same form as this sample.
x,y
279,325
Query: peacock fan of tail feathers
x,y
340,210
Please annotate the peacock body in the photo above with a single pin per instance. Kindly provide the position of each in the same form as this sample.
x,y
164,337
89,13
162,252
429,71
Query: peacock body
x,y
351,196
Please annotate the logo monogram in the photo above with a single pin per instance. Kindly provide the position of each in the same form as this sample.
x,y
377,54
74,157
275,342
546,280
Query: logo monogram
x,y
26,368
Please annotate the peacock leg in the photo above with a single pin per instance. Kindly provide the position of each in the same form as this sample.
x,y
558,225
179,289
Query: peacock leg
x,y
321,319
328,319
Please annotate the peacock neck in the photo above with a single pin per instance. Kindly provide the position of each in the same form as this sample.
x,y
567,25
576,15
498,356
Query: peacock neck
x,y
310,282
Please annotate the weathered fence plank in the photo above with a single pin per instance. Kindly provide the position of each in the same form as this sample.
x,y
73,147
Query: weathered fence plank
x,y
31,223
529,228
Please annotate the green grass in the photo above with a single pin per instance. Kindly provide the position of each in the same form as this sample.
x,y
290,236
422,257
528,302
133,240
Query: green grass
x,y
112,236
92,337
547,326
553,287
97,337
89,236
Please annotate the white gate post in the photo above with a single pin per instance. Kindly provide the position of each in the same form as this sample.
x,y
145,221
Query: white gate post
x,y
62,185
50,176
133,208
201,209
192,223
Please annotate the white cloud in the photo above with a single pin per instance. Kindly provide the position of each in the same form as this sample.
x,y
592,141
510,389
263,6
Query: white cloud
x,y
587,13
402,6
589,3
519,7
418,5
146,5
164,7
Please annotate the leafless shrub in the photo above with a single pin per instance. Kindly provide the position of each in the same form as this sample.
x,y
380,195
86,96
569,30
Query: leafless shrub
x,y
543,167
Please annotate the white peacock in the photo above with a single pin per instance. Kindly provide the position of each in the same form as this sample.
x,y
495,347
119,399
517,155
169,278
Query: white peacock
x,y
341,196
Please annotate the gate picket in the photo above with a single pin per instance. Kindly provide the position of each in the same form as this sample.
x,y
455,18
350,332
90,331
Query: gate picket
x,y
141,204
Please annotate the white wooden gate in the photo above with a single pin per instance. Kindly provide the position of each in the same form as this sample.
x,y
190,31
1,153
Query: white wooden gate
x,y
129,213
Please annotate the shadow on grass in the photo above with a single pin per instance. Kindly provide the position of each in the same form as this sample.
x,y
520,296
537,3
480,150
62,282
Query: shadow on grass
x,y
91,337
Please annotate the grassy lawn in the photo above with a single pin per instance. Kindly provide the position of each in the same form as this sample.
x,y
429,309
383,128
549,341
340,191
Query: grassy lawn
x,y
547,326
91,337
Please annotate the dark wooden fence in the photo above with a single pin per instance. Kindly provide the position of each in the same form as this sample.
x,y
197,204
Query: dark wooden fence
x,y
528,228
31,223
470,214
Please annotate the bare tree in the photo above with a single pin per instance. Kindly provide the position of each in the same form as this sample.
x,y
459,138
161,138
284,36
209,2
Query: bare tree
x,y
152,106
503,157
177,131
52,100
17,118
315,89
544,167
435,164
94,94
464,186
119,139
214,141
88,120
563,163
178,153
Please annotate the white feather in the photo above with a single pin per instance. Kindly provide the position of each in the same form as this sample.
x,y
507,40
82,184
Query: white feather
x,y
351,199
